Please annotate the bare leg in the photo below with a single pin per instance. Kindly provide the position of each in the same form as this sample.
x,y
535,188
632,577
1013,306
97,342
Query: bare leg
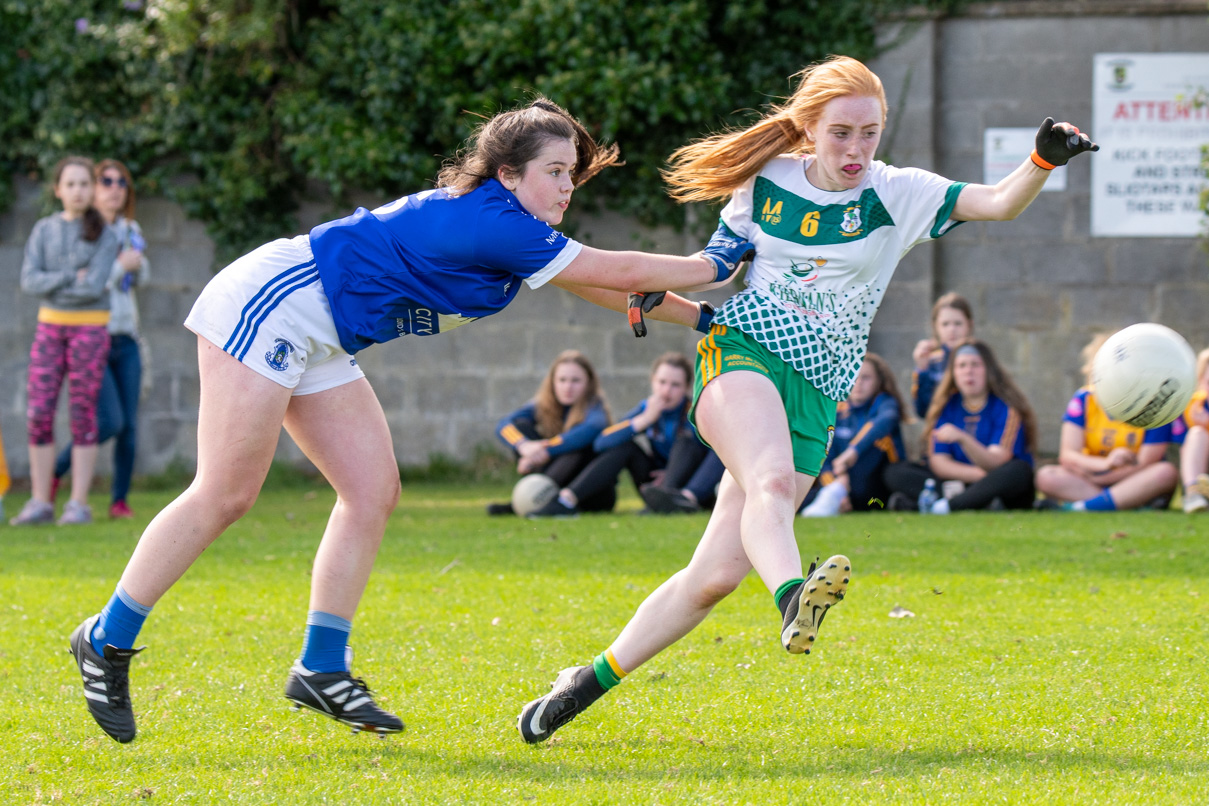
x,y
1058,482
741,415
41,468
83,463
1194,455
1147,484
344,432
239,423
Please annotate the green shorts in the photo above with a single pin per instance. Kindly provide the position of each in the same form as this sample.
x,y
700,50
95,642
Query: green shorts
x,y
811,414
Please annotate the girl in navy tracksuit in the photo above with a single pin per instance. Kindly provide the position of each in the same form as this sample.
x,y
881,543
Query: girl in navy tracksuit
x,y
654,441
554,432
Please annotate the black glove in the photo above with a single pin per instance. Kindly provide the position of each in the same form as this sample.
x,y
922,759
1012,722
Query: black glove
x,y
640,303
1057,143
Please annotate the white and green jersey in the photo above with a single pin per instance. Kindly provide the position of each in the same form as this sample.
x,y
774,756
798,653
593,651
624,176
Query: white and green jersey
x,y
824,259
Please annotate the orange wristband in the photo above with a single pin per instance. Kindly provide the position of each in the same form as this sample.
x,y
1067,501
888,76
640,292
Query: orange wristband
x,y
1040,163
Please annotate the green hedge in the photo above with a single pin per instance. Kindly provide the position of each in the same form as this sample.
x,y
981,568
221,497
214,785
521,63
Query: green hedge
x,y
232,106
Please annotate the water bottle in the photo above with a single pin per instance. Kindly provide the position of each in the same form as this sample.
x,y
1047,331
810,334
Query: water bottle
x,y
137,243
928,496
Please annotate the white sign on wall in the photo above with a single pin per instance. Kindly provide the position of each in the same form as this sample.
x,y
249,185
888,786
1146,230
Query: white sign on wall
x,y
1003,150
1147,177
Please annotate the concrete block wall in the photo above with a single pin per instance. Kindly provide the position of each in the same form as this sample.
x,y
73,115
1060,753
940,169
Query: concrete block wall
x,y
1040,286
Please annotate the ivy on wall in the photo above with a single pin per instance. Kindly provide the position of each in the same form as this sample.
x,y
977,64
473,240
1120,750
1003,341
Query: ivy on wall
x,y
231,107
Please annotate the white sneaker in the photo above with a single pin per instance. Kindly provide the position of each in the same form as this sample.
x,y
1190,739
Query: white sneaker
x,y
821,507
1195,502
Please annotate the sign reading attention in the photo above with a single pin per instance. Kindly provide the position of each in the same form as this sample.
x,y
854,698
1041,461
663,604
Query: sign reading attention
x,y
1147,178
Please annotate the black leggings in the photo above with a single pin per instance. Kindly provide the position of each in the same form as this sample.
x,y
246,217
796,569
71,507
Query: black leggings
x,y
1011,482
602,473
566,467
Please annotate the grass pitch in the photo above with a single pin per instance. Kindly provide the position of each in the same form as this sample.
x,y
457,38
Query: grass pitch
x,y
1051,657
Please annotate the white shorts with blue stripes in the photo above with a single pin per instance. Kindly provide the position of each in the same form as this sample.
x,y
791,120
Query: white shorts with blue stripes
x,y
268,310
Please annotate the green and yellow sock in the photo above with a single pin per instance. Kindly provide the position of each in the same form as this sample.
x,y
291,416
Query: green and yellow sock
x,y
608,671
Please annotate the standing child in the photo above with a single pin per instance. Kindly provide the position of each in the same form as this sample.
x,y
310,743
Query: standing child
x,y
67,261
830,224
277,330
118,402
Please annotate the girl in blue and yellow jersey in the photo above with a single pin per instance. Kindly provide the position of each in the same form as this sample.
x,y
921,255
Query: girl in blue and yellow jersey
x,y
1194,453
980,432
952,323
1104,464
868,439
553,433
277,331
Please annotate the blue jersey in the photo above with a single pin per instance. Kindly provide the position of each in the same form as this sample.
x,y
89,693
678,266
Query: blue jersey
x,y
996,423
429,262
872,425
662,433
577,437
924,381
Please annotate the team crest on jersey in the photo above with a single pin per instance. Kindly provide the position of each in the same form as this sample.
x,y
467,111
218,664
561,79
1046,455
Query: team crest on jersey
x,y
277,357
851,225
806,272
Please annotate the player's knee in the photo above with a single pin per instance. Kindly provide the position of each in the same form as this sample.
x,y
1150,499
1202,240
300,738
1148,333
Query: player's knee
x,y
780,484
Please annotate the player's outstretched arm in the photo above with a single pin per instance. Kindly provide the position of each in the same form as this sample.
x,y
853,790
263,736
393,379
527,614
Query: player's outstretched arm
x,y
1056,144
673,308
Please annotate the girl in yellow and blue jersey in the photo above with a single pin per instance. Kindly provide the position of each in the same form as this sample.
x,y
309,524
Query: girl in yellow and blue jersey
x,y
1105,464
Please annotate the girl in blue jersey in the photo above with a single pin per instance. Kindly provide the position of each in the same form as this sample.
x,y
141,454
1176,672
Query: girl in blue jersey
x,y
980,431
830,224
277,331
645,442
553,433
952,323
868,439
1104,464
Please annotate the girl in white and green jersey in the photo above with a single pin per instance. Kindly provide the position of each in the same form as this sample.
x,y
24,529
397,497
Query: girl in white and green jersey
x,y
830,224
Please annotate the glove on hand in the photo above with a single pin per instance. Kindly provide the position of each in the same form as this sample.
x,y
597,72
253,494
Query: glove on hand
x,y
640,303
726,251
705,318
1057,143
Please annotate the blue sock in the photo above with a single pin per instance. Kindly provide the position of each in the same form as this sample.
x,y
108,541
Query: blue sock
x,y
1101,503
119,623
325,642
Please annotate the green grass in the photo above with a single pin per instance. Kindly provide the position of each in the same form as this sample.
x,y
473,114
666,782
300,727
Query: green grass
x,y
1052,658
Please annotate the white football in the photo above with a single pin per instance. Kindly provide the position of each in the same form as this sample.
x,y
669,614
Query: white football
x,y
532,493
1144,375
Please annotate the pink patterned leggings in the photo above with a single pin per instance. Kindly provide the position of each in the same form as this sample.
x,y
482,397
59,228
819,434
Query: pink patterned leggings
x,y
79,352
